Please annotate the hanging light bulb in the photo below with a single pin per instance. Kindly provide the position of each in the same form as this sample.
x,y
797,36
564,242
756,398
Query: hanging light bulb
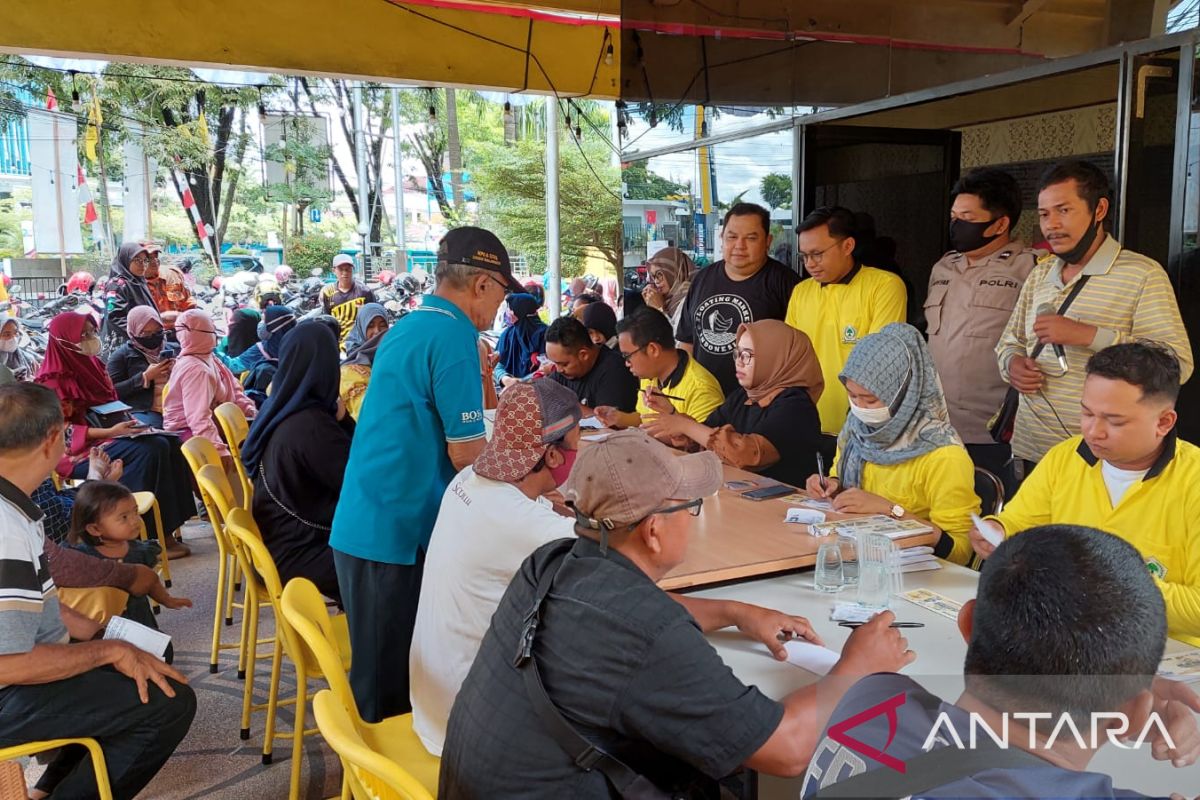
x,y
76,103
432,110
608,55
578,132
262,107
653,117
508,114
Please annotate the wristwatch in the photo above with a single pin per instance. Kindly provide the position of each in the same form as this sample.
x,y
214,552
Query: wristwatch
x,y
897,511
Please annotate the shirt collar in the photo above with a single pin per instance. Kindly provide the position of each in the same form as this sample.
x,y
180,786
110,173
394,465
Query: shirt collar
x,y
19,499
442,304
1100,264
677,375
586,547
1164,458
849,276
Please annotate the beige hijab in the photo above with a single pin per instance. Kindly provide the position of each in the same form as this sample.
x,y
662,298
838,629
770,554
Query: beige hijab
x,y
680,268
783,358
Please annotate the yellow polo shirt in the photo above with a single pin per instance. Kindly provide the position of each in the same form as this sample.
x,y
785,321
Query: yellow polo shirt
x,y
1159,515
697,386
938,486
836,316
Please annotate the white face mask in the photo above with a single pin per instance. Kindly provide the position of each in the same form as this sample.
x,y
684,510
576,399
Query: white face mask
x,y
90,347
871,416
8,345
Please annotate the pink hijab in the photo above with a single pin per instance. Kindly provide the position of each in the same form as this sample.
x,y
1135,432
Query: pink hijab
x,y
197,334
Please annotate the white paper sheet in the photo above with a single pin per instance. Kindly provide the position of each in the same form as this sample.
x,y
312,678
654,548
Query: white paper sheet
x,y
812,657
140,636
591,422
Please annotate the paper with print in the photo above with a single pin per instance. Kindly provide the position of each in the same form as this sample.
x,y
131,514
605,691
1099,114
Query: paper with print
x,y
937,603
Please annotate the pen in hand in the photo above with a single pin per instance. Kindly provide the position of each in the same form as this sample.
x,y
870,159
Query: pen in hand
x,y
821,472
661,393
893,625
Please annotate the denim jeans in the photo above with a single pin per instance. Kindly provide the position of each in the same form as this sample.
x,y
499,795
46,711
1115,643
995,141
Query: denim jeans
x,y
137,738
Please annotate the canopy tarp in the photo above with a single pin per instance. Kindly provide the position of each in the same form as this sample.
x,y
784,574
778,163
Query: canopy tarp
x,y
515,45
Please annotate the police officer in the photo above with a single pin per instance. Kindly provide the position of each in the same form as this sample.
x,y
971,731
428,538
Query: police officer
x,y
972,292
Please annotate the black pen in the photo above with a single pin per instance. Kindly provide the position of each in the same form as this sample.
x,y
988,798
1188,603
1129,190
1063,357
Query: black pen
x,y
821,472
661,393
893,625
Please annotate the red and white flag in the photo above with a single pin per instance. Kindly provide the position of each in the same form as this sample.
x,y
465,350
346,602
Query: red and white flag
x,y
51,100
90,217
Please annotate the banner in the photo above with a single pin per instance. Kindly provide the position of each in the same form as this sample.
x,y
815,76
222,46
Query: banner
x,y
139,186
54,168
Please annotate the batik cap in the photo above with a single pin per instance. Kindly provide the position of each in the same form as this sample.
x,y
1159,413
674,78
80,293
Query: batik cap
x,y
530,417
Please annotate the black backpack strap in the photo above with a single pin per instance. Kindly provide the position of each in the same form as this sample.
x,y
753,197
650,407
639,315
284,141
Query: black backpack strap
x,y
928,771
1075,290
587,756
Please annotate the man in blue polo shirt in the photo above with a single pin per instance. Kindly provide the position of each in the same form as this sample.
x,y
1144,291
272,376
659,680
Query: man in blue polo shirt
x,y
421,422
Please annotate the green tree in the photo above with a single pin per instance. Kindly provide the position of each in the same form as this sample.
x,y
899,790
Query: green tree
x,y
311,250
512,188
641,184
776,190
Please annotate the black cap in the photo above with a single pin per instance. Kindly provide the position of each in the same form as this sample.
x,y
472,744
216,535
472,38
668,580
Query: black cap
x,y
476,247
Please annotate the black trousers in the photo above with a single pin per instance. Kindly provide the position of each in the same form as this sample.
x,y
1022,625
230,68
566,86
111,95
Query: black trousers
x,y
102,704
381,610
995,459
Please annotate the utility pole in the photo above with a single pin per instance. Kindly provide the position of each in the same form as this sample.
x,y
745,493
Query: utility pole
x,y
398,170
553,249
360,164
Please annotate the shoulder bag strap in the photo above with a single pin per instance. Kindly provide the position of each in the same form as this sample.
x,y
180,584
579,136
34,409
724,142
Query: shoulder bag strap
x,y
1075,290
627,782
928,771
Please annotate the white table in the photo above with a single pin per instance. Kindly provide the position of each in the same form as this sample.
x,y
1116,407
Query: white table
x,y
940,653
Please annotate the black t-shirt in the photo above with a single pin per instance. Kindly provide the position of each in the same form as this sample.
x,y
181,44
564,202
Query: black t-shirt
x,y
915,717
791,423
716,306
610,383
626,664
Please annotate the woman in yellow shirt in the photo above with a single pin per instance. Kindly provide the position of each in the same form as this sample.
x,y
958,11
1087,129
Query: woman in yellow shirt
x,y
369,327
897,453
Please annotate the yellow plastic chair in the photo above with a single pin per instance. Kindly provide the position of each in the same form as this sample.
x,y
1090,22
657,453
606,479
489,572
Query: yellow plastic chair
x,y
261,574
370,774
236,428
103,789
215,484
200,453
147,503
317,636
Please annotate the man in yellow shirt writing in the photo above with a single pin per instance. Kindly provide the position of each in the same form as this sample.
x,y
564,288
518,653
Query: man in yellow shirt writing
x,y
1128,474
671,380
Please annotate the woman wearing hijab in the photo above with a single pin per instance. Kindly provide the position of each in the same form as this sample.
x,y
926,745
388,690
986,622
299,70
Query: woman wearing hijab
x,y
296,454
126,290
243,333
152,463
522,342
897,453
277,323
200,383
601,322
770,424
361,343
21,363
670,274
139,369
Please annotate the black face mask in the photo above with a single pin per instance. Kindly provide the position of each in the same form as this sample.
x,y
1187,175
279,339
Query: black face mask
x,y
151,342
967,237
1077,252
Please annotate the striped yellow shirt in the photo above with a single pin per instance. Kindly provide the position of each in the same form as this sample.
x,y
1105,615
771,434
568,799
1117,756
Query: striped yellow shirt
x,y
1127,298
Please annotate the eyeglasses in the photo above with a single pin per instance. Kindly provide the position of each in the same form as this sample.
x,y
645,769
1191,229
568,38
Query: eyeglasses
x,y
743,357
815,258
692,507
629,356
659,276
499,283
195,330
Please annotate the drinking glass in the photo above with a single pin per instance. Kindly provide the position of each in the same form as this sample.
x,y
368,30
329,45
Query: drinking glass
x,y
849,548
879,574
828,576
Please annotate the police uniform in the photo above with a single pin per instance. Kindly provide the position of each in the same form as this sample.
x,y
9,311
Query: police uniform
x,y
966,311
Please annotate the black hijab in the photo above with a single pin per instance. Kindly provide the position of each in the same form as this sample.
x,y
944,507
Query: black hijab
x,y
307,377
136,292
243,332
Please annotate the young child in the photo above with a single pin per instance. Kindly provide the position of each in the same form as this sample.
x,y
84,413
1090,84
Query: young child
x,y
105,524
